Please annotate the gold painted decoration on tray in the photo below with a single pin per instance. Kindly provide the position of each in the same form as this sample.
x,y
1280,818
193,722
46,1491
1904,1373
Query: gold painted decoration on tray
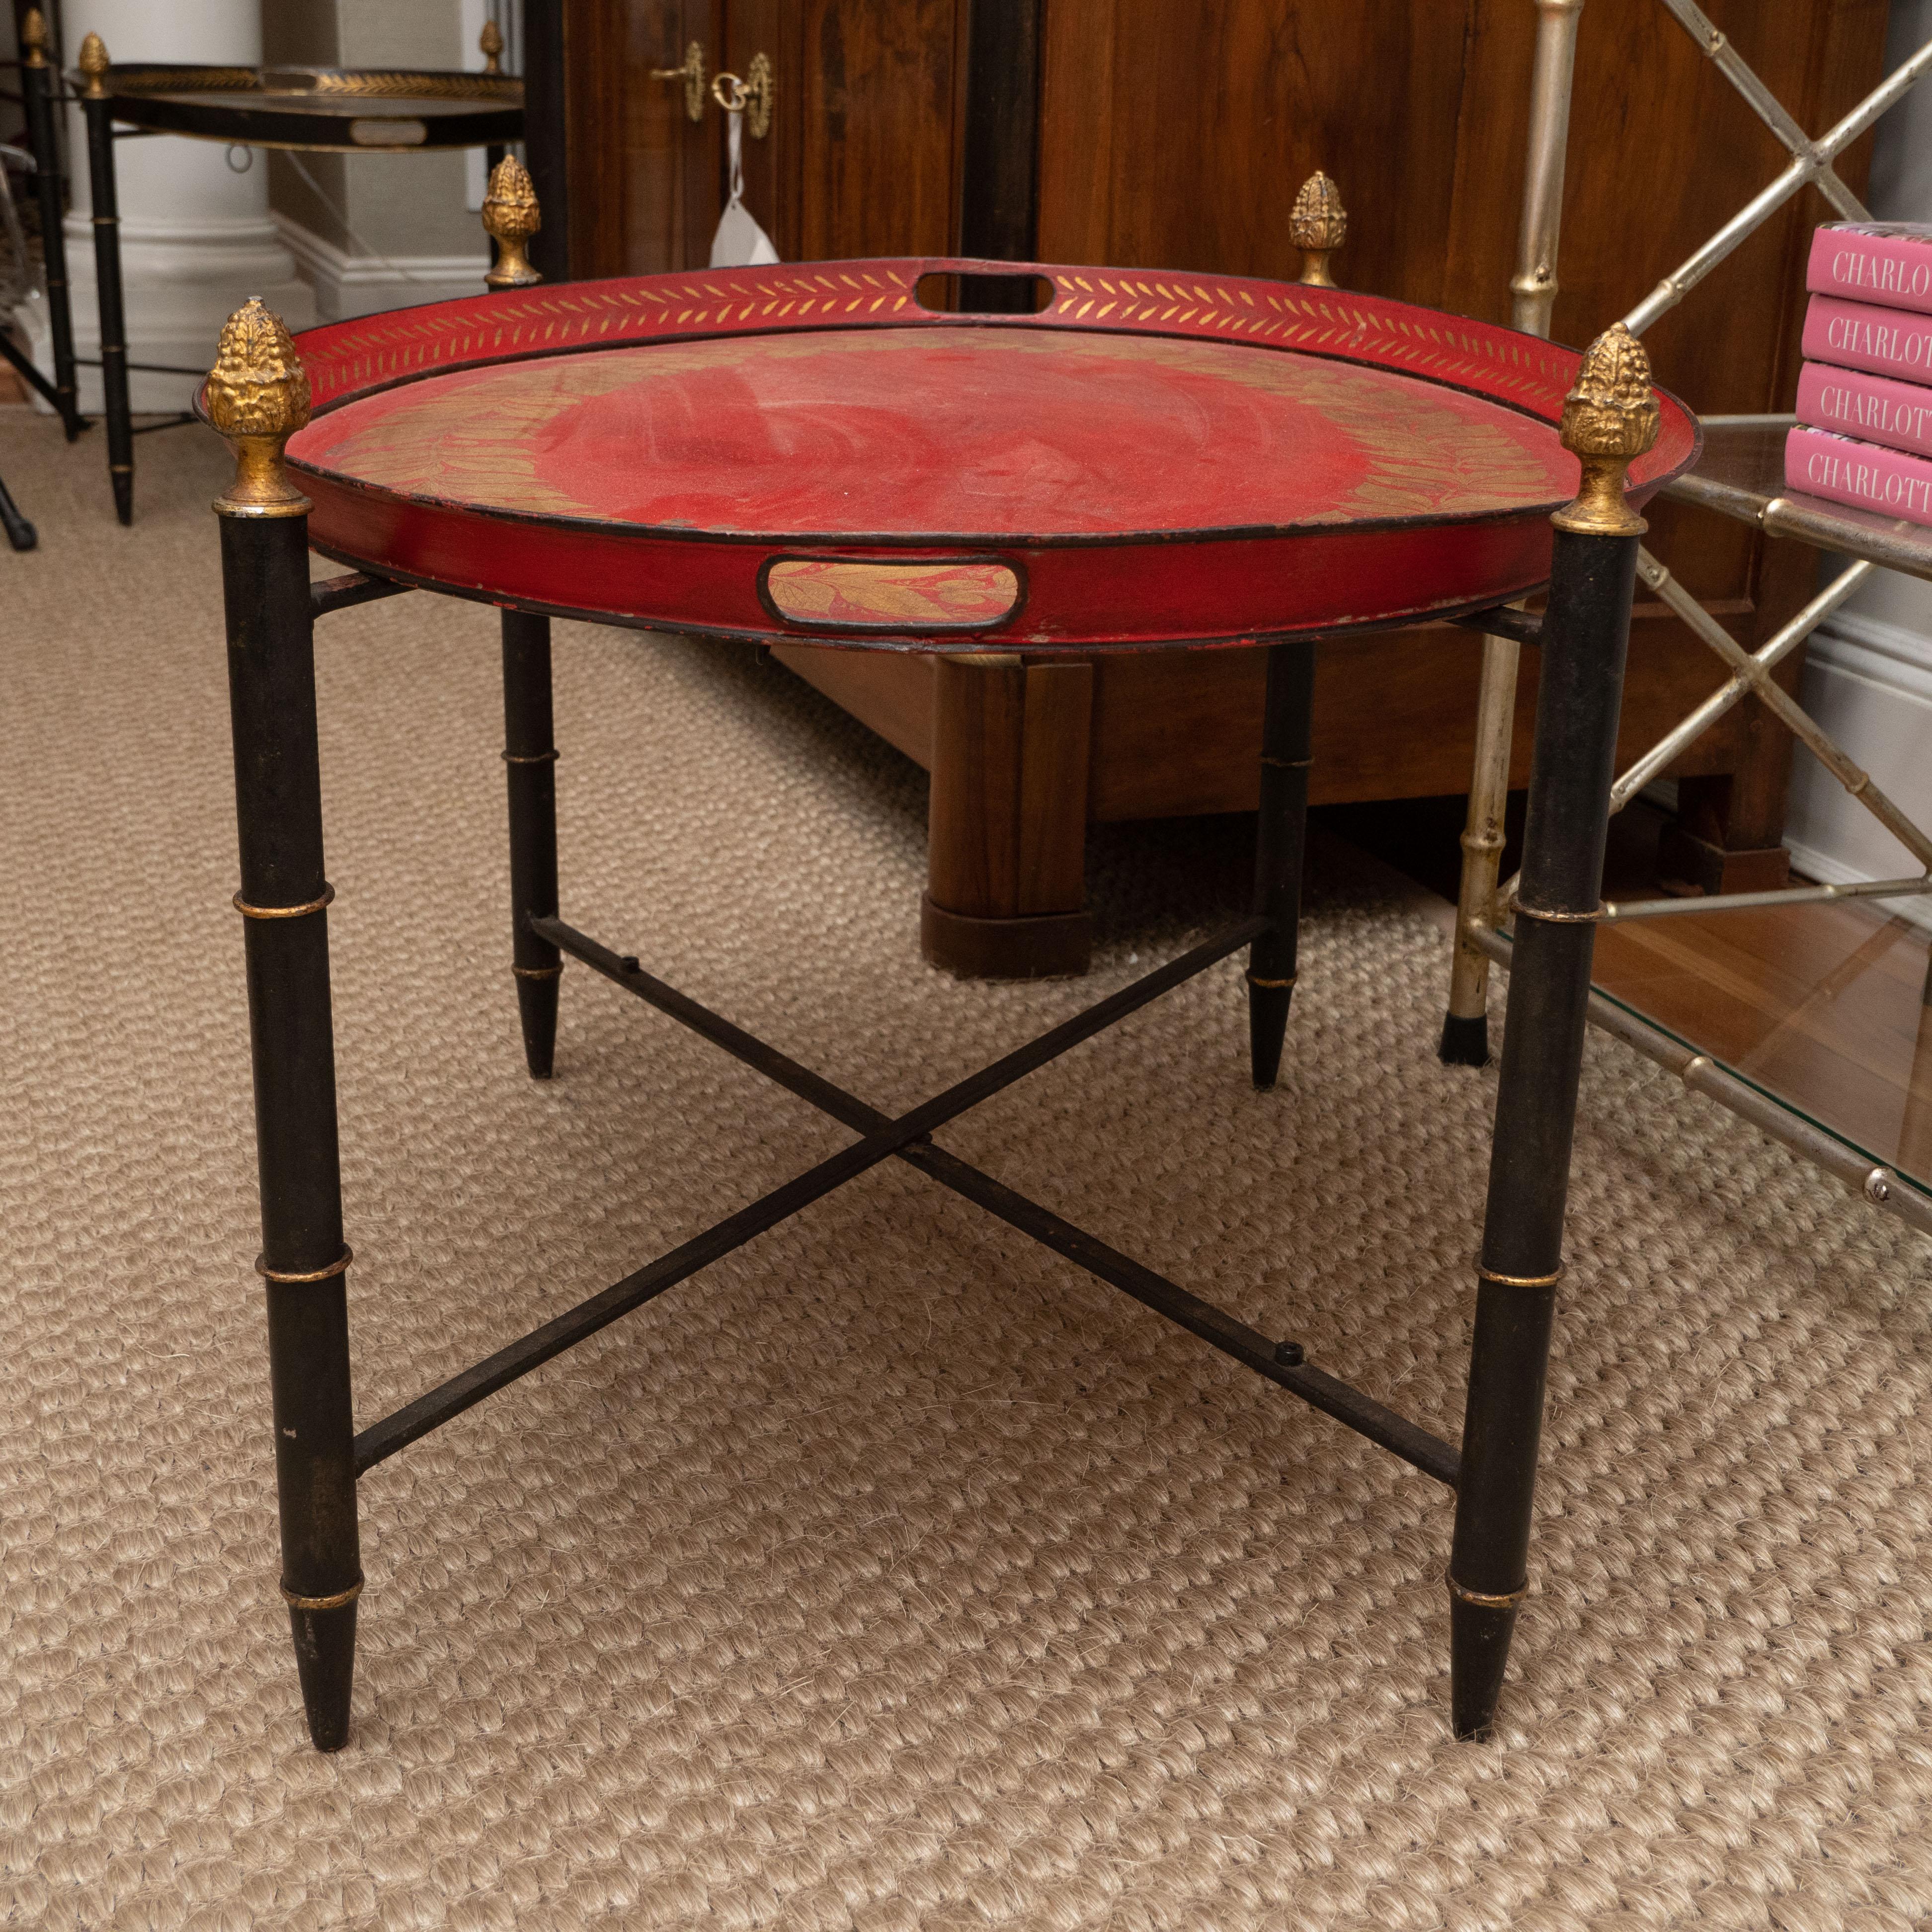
x,y
494,435
846,593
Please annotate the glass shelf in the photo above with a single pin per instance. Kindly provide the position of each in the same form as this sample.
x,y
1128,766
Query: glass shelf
x,y
1740,474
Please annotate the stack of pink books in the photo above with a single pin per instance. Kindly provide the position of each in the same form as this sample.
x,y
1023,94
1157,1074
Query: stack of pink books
x,y
1864,396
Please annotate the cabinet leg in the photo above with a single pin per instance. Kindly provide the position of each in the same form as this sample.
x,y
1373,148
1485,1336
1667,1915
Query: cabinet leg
x,y
1287,727
113,321
529,756
1586,634
1007,829
1728,835
304,1260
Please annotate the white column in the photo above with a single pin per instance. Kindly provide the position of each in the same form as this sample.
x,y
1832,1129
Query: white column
x,y
196,240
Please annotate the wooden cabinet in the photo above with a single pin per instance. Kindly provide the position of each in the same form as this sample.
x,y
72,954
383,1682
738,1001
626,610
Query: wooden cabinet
x,y
864,151
1160,135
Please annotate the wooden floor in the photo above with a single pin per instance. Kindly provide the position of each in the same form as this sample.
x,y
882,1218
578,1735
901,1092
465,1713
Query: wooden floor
x,y
1823,1006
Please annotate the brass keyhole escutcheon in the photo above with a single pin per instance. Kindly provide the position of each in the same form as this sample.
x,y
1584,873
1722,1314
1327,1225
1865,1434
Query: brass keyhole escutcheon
x,y
750,96
692,74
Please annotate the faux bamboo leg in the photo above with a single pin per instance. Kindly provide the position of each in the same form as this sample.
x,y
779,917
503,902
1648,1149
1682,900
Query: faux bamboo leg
x,y
100,114
35,78
1286,732
1466,1030
530,758
257,395
1609,418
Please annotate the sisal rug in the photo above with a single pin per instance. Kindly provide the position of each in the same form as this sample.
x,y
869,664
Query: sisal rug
x,y
891,1574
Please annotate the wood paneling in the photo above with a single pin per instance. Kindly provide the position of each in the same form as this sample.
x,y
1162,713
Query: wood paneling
x,y
861,158
647,182
898,706
875,125
1177,137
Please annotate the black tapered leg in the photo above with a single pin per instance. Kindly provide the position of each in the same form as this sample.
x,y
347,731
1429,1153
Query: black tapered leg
x,y
1286,727
35,87
278,803
113,318
1585,635
21,534
530,758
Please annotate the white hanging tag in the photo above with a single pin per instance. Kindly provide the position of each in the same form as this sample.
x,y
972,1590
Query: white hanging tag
x,y
739,243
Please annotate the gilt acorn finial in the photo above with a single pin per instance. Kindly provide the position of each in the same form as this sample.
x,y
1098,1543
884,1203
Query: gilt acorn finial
x,y
94,64
258,396
1318,226
1610,417
512,216
490,43
34,38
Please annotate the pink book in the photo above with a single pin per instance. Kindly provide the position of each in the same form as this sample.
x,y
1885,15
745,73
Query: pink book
x,y
1856,335
1875,409
1860,474
1885,262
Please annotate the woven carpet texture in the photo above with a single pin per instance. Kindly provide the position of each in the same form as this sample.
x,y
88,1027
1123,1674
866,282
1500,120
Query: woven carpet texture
x,y
891,1573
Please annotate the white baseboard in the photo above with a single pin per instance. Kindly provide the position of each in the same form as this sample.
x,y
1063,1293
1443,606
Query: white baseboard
x,y
1881,653
347,284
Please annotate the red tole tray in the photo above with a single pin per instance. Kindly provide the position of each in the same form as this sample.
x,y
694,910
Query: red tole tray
x,y
808,452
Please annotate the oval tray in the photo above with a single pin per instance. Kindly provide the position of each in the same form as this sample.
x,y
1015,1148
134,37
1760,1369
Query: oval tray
x,y
810,452
350,110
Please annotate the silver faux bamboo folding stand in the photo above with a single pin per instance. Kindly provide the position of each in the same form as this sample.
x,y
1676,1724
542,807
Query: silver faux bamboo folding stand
x,y
1739,476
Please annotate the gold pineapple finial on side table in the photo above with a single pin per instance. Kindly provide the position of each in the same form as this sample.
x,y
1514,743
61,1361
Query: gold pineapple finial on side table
x,y
34,38
1610,417
490,43
258,397
1319,226
94,64
512,216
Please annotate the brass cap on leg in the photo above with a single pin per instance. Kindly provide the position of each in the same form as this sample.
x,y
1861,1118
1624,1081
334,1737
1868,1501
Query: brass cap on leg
x,y
1319,226
94,64
258,397
490,43
34,38
512,216
1610,417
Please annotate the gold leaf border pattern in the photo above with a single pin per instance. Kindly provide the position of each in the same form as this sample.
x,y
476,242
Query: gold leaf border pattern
x,y
345,358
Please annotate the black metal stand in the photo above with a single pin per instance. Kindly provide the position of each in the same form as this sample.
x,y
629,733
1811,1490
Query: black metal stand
x,y
36,87
283,900
100,115
21,534
1584,635
272,613
272,610
530,759
1287,733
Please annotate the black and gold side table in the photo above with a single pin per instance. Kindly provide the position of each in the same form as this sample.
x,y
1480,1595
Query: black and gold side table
x,y
317,110
1152,461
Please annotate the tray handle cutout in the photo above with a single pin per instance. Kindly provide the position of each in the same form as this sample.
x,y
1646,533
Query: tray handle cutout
x,y
924,594
984,291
